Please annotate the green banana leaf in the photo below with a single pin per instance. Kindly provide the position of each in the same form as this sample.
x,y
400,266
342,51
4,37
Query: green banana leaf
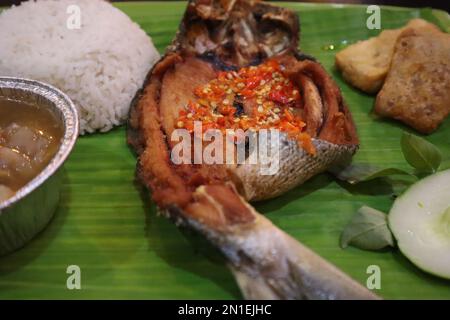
x,y
107,226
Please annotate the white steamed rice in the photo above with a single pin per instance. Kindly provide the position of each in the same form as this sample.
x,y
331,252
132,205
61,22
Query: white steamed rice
x,y
100,66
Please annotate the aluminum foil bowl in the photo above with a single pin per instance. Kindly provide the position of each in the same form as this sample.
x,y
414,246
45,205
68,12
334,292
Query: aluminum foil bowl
x,y
31,208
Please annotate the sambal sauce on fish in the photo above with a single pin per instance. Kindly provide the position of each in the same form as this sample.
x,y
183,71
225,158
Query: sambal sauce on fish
x,y
235,65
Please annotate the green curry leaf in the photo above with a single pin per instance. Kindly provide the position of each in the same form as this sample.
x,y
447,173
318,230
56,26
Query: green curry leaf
x,y
367,230
420,154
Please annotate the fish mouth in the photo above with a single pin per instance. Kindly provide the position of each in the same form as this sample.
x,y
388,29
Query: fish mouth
x,y
237,32
216,38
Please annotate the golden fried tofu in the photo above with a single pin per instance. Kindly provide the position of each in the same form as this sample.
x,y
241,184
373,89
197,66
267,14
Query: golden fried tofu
x,y
417,87
365,64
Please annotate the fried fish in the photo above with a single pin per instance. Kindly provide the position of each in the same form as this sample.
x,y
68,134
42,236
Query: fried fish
x,y
219,43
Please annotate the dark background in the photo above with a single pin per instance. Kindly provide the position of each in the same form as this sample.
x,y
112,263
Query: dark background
x,y
438,4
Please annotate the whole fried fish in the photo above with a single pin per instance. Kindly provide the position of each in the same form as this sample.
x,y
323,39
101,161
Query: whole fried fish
x,y
218,36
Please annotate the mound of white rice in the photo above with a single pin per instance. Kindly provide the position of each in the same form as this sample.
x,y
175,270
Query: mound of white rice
x,y
100,66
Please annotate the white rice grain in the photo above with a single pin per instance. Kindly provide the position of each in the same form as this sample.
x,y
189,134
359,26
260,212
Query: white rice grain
x,y
100,66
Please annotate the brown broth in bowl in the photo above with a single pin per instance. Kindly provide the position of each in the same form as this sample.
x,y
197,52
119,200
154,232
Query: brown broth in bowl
x,y
29,138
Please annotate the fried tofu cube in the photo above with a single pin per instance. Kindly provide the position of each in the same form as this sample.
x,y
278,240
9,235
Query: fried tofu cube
x,y
417,87
365,64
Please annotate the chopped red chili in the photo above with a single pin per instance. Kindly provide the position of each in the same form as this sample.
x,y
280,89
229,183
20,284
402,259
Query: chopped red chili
x,y
272,96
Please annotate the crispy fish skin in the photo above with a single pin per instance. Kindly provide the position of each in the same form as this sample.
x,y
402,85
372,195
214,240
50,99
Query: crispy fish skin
x,y
417,88
296,166
267,263
328,121
365,64
239,32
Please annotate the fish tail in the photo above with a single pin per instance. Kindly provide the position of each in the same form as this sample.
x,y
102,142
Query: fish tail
x,y
267,263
